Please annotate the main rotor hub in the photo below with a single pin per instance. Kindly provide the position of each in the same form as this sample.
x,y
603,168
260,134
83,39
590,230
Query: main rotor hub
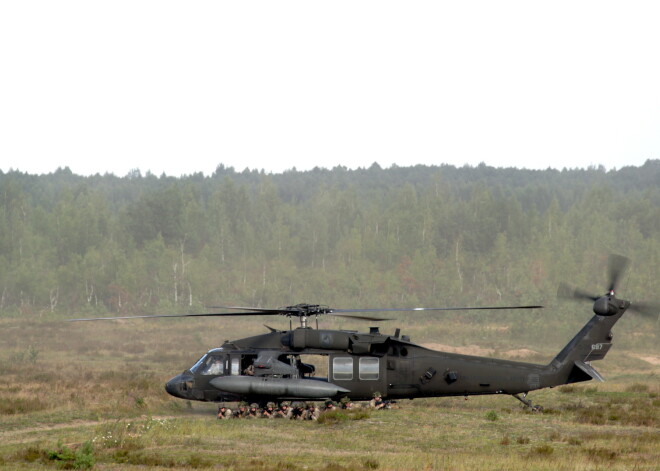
x,y
307,309
303,311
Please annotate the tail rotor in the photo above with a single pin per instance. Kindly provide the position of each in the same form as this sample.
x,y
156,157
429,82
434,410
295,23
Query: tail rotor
x,y
608,304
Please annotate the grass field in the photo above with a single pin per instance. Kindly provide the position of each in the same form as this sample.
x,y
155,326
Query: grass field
x,y
76,396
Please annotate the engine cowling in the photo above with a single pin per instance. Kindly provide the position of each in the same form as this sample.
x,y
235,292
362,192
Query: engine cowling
x,y
322,339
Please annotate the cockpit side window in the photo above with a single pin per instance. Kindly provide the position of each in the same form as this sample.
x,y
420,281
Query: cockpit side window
x,y
209,365
195,368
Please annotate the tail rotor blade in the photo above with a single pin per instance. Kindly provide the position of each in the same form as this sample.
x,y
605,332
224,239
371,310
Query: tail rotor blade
x,y
569,292
617,265
616,268
650,310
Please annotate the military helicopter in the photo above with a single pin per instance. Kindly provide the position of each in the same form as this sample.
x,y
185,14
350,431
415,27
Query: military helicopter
x,y
270,367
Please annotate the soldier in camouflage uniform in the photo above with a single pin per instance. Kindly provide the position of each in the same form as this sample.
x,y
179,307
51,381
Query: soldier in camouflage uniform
x,y
224,413
312,412
297,410
346,403
329,405
284,411
242,411
377,402
253,412
269,411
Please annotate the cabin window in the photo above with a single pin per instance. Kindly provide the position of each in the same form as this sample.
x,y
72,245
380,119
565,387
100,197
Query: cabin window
x,y
342,368
235,366
369,368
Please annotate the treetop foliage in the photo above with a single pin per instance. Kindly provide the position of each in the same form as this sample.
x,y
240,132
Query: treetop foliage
x,y
401,236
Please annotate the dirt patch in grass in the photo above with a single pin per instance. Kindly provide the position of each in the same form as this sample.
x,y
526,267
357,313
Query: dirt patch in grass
x,y
652,359
521,353
466,350
475,350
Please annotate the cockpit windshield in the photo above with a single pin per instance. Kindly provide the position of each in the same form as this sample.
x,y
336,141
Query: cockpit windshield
x,y
209,365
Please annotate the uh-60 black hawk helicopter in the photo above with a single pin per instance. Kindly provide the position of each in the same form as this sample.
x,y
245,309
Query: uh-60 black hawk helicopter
x,y
270,367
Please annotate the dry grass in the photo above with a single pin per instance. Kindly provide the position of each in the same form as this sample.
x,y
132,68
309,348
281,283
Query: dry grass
x,y
65,384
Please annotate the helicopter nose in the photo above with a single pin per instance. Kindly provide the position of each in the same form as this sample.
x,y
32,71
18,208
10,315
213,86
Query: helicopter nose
x,y
177,386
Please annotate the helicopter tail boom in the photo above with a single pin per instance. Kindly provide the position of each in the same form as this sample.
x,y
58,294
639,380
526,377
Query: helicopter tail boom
x,y
591,343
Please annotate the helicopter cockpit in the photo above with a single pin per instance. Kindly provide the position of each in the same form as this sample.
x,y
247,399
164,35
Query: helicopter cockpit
x,y
209,365
217,363
266,363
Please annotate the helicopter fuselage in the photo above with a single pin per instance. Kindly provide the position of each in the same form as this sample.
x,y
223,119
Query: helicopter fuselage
x,y
282,365
272,367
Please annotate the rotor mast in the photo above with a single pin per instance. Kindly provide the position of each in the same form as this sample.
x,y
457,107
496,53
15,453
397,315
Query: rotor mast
x,y
304,311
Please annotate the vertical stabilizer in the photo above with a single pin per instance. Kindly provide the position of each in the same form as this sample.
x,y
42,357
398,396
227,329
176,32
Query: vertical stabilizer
x,y
591,343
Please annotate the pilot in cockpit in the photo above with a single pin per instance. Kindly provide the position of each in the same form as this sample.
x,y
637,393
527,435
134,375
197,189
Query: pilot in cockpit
x,y
215,368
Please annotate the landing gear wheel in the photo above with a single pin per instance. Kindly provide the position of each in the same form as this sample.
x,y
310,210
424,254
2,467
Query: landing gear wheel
x,y
527,404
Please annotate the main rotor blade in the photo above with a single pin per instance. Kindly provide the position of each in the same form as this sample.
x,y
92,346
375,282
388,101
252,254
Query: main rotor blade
x,y
481,308
203,314
364,318
617,265
303,309
293,312
255,309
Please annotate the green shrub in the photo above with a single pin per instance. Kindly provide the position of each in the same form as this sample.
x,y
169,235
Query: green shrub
x,y
20,405
492,415
140,403
30,455
332,417
32,354
342,415
196,461
84,457
544,450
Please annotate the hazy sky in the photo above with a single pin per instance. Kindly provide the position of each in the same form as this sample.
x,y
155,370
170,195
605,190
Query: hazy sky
x,y
180,87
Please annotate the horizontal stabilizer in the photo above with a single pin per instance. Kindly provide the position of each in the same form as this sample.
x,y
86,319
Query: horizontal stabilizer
x,y
590,370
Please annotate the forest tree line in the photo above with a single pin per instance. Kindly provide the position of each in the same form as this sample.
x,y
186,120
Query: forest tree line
x,y
401,236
